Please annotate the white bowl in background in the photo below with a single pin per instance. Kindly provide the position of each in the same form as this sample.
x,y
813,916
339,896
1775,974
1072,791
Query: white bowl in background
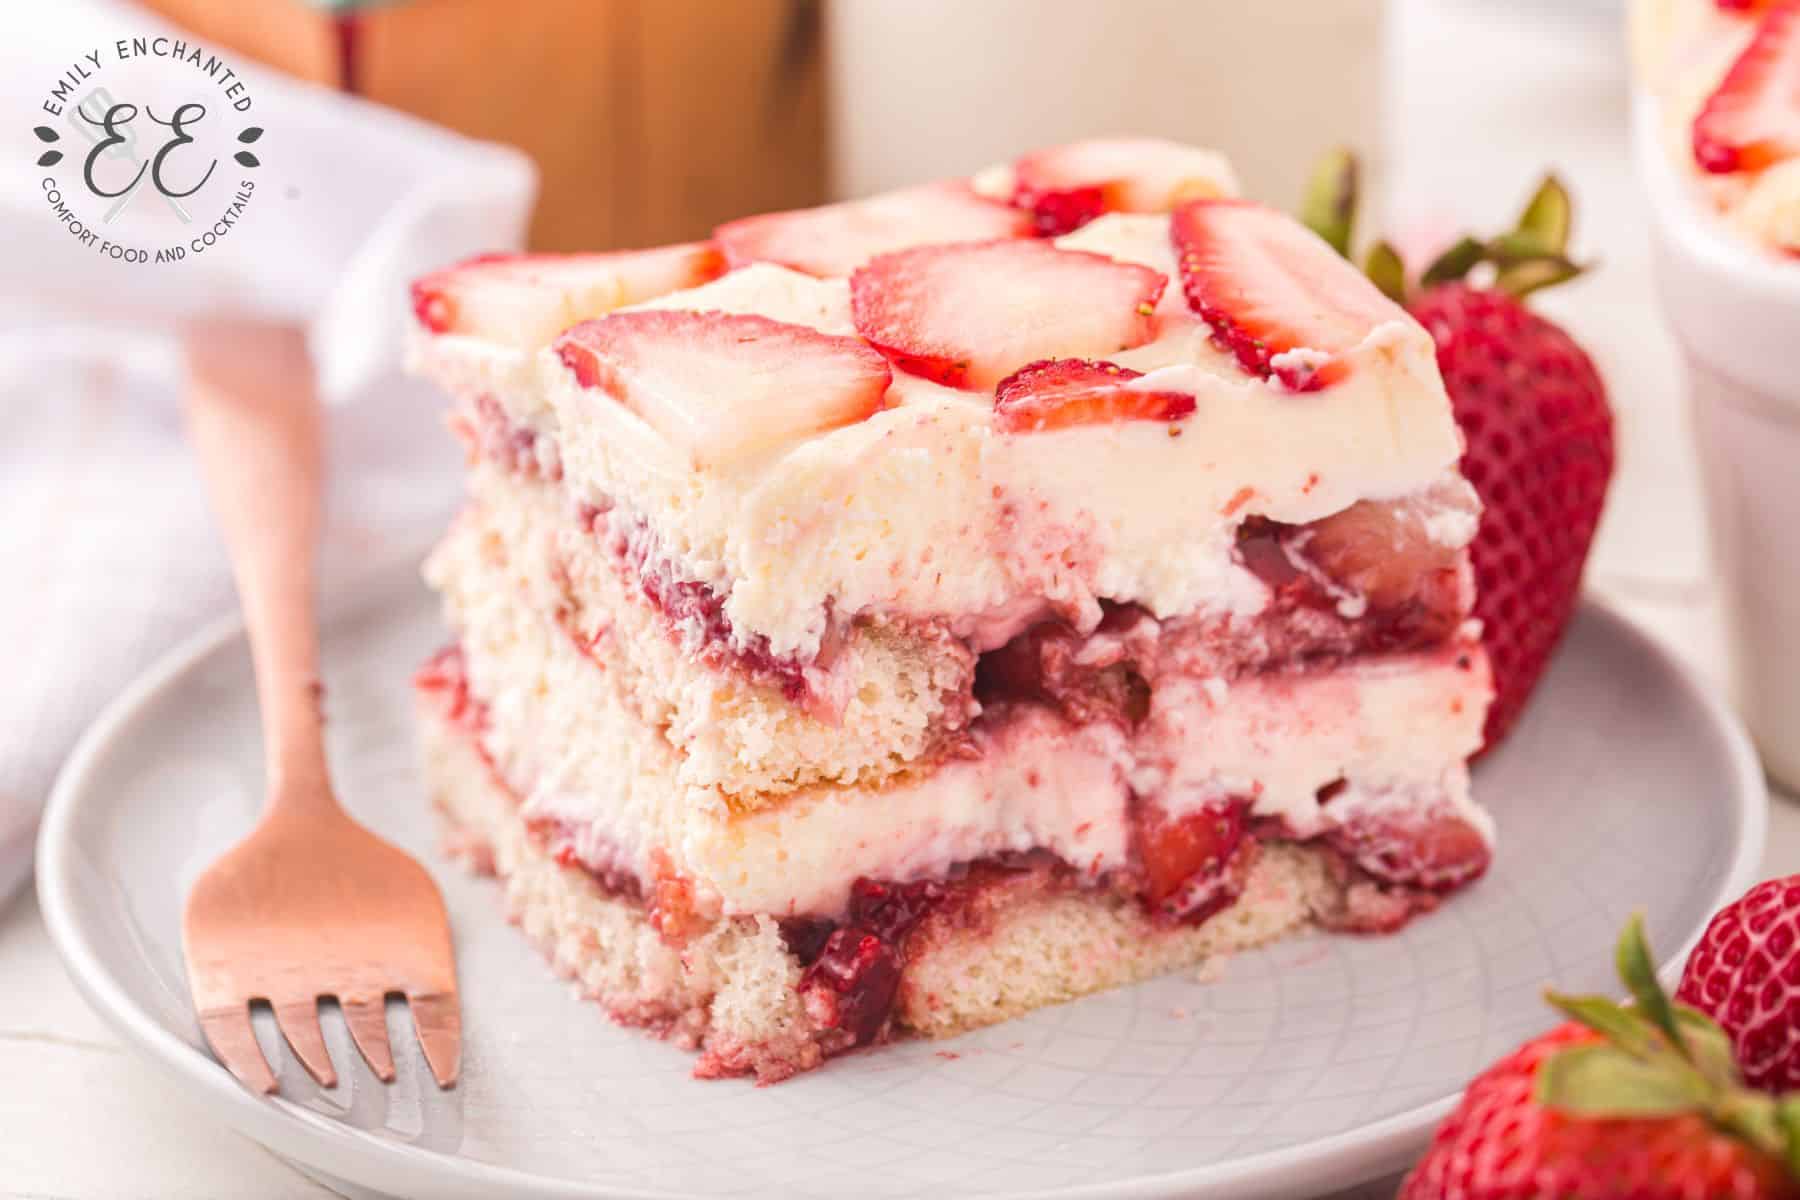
x,y
1735,311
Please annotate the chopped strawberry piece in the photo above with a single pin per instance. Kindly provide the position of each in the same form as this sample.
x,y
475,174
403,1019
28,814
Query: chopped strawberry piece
x,y
670,906
1391,554
1065,187
838,238
1752,120
1438,850
1273,293
1089,678
726,385
525,300
1189,861
1745,6
851,986
1059,392
969,316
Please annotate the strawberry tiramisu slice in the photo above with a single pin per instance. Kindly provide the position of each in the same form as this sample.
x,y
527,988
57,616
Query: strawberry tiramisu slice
x,y
925,619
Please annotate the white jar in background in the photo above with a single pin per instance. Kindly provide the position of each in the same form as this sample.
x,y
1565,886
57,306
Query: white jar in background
x,y
927,88
1734,307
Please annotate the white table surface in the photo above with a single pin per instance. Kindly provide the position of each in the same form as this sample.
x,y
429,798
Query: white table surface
x,y
83,1119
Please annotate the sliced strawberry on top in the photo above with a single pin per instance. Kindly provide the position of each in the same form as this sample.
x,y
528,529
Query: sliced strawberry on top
x,y
1059,392
968,316
1065,187
838,238
525,300
723,386
1752,120
1274,294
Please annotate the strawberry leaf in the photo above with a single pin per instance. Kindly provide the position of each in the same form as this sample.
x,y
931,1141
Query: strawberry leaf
x,y
1758,1118
1787,1118
1527,277
1328,207
1548,215
1598,1080
1625,1028
1708,1046
1385,270
1518,246
1638,971
1454,263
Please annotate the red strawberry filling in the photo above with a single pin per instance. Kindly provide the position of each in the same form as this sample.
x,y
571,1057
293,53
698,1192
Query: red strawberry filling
x,y
487,433
695,610
446,675
1096,678
1435,850
1196,864
853,968
1371,578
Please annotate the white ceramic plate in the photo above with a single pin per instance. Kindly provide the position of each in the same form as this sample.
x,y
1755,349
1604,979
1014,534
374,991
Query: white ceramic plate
x,y
1307,1067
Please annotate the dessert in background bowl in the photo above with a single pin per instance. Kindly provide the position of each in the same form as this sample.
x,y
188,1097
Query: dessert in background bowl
x,y
1717,138
893,617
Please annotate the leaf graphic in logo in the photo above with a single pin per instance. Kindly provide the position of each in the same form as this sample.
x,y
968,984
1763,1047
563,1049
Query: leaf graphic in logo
x,y
247,159
250,135
49,158
45,133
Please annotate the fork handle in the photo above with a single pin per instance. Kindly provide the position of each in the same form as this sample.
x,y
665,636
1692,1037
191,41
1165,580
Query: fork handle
x,y
254,418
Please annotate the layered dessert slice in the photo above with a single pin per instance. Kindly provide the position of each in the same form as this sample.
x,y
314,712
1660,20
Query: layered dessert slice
x,y
893,617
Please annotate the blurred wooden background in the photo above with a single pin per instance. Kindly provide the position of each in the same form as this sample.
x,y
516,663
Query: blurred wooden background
x,y
650,120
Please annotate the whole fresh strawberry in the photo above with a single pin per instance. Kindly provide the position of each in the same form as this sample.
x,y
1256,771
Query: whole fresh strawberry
x,y
1534,416
1639,1102
1745,974
1539,454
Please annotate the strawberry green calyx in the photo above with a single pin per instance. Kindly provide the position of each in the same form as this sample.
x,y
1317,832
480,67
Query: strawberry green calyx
x,y
1464,255
1385,269
1533,254
1329,205
1549,216
1657,1058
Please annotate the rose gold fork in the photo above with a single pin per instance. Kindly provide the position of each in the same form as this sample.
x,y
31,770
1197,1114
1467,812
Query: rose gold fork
x,y
310,904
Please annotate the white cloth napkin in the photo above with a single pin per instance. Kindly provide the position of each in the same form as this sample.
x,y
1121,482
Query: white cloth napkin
x,y
108,549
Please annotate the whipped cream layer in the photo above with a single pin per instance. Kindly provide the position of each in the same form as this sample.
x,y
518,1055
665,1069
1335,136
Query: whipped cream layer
x,y
1681,51
925,509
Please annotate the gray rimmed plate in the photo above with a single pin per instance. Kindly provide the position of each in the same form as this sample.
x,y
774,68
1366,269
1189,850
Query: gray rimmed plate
x,y
1306,1067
